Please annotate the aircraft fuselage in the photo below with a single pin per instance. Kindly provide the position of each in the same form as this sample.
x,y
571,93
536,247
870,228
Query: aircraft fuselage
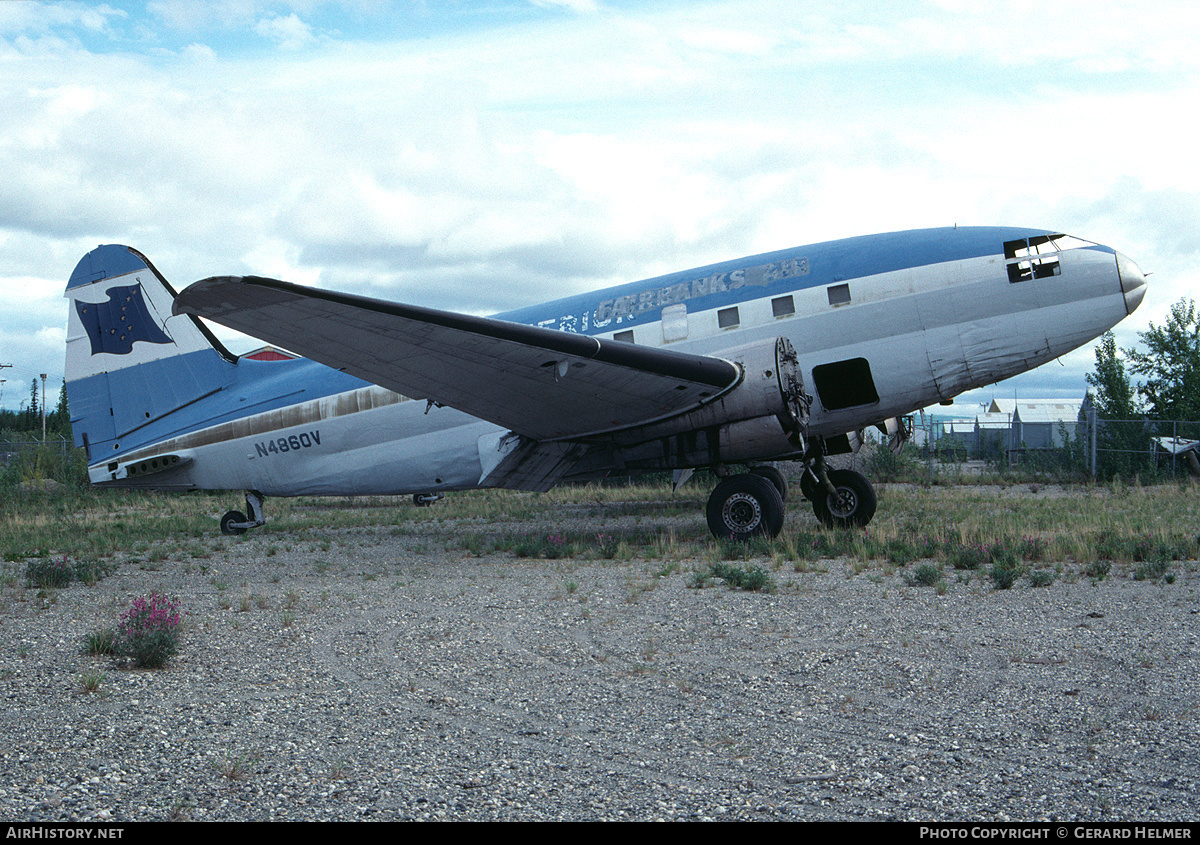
x,y
881,326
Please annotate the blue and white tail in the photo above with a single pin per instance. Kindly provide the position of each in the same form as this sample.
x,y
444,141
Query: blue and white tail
x,y
130,363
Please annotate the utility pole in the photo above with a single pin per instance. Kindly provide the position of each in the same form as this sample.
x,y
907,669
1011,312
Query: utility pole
x,y
43,407
2,380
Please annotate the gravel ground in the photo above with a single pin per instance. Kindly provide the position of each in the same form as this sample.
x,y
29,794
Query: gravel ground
x,y
374,675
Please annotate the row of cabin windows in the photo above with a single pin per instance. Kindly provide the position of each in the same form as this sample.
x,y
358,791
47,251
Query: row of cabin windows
x,y
674,317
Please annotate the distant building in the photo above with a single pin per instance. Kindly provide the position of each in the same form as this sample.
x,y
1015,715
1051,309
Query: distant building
x,y
993,435
1037,423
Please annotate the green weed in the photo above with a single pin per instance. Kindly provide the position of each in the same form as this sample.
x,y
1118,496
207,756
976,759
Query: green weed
x,y
91,680
753,579
927,575
101,642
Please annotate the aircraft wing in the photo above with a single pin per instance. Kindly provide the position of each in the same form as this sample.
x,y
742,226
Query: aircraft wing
x,y
542,383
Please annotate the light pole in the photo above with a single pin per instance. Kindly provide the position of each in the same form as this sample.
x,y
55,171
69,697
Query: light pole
x,y
2,380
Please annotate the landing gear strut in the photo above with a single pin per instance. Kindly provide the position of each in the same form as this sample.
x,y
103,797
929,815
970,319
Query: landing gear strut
x,y
235,522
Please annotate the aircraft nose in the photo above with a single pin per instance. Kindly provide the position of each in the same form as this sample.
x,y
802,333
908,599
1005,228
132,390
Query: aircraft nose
x,y
1133,282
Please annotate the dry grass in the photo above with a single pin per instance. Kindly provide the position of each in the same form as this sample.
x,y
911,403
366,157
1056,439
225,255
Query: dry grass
x,y
1126,524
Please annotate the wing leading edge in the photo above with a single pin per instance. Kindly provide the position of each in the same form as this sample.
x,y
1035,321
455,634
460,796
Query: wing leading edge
x,y
542,383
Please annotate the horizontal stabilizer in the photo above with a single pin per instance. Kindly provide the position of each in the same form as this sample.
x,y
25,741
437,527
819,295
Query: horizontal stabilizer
x,y
545,384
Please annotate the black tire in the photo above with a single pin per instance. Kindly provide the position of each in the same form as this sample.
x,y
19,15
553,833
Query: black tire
x,y
229,523
744,506
854,504
774,476
809,485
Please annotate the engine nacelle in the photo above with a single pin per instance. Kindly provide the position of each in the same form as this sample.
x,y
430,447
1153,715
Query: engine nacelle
x,y
764,416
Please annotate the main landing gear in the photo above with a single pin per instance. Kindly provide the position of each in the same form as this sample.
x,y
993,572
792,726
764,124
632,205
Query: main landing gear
x,y
235,522
751,504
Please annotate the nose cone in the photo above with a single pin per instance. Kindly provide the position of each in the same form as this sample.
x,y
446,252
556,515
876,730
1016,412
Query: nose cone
x,y
1133,283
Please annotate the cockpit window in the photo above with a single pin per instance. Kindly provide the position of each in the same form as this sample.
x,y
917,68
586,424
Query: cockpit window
x,y
1036,257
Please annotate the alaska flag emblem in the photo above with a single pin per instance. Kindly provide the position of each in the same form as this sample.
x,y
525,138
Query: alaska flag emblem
x,y
115,325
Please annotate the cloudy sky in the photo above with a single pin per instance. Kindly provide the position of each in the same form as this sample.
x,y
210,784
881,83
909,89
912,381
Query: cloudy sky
x,y
481,156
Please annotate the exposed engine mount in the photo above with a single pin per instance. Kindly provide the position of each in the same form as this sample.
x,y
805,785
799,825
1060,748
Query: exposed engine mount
x,y
766,413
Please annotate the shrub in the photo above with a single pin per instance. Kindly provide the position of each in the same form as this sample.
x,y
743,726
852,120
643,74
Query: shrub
x,y
967,556
91,571
549,546
59,573
49,573
1152,570
754,579
699,579
927,574
91,680
900,553
1032,548
1005,571
1041,578
148,632
99,642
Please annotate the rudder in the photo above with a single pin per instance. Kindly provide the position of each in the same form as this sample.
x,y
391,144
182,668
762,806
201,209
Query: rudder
x,y
130,363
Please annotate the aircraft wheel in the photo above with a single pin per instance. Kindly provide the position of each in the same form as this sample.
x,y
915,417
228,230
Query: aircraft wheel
x,y
852,506
230,521
773,475
745,506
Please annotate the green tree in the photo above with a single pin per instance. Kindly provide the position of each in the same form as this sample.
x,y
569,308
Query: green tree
x,y
58,421
1170,365
1113,393
1122,442
35,418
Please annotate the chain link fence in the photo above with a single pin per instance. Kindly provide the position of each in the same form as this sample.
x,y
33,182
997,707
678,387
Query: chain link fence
x,y
13,450
1088,446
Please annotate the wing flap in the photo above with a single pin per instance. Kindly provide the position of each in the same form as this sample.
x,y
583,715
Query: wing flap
x,y
545,384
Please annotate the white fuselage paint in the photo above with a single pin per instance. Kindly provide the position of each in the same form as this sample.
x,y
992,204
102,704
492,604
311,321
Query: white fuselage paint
x,y
929,333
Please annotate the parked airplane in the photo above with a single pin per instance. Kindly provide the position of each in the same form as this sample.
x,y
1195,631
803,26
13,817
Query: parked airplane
x,y
709,367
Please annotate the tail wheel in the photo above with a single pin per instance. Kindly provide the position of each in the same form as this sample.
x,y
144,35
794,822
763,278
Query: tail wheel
x,y
232,522
745,506
851,506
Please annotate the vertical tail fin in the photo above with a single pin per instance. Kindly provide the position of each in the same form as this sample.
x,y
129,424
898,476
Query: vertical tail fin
x,y
130,363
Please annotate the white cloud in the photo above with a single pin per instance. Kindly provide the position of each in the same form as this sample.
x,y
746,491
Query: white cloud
x,y
290,33
579,6
510,163
200,15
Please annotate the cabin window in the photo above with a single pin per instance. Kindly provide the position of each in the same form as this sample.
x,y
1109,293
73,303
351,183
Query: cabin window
x,y
1035,258
727,318
674,323
625,336
845,384
839,294
783,306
